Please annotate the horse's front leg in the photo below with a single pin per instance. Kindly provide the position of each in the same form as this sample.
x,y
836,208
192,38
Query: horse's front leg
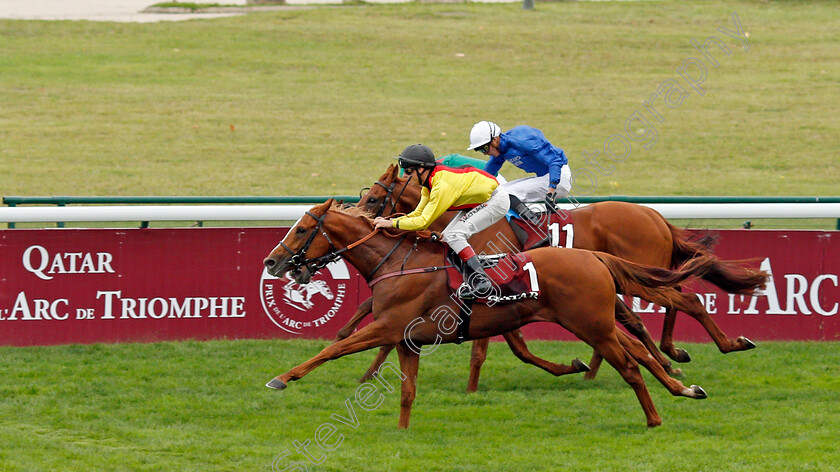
x,y
377,363
477,357
372,335
409,364
364,309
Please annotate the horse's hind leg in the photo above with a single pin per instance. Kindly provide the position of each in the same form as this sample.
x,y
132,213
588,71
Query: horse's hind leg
x,y
409,364
594,365
517,344
372,335
377,363
666,343
689,303
633,322
643,357
620,359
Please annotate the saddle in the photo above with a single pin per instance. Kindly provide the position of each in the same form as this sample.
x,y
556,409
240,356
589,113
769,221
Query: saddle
x,y
545,227
514,279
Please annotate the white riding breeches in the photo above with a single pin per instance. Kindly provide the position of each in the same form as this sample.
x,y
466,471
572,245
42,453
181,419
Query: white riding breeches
x,y
534,189
469,222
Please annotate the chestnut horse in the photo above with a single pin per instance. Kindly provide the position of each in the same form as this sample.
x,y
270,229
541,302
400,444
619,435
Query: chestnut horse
x,y
632,232
577,291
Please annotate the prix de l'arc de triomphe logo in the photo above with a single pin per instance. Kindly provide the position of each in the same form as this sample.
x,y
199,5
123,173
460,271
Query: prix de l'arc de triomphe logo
x,y
296,308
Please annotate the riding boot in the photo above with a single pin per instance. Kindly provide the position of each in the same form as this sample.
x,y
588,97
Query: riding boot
x,y
527,214
476,282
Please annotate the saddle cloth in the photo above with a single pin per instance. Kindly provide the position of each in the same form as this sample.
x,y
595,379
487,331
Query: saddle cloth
x,y
556,229
514,277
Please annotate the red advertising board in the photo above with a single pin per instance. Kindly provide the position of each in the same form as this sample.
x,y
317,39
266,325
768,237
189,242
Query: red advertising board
x,y
103,285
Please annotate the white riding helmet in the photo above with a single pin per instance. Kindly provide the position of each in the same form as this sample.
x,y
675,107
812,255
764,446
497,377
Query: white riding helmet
x,y
482,132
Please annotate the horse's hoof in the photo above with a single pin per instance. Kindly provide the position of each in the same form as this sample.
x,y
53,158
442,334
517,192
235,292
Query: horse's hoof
x,y
276,384
580,365
682,356
746,343
673,372
699,393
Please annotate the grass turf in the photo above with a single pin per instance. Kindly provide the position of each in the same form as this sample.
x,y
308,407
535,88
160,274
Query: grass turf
x,y
202,406
317,101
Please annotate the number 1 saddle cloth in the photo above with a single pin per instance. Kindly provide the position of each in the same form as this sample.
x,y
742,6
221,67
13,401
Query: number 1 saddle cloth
x,y
514,277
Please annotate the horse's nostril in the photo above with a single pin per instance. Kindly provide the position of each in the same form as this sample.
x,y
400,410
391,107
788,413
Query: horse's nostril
x,y
269,263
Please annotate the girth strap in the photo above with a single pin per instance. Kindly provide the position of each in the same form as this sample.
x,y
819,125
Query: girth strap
x,y
419,270
465,315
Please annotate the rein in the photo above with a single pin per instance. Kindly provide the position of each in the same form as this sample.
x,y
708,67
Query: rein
x,y
298,258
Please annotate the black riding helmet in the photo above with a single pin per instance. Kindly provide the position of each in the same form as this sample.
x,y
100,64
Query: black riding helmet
x,y
417,155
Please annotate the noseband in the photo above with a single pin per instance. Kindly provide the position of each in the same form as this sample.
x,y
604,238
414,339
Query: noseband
x,y
299,259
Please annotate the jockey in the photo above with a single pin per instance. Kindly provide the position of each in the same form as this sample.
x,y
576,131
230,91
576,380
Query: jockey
x,y
471,190
458,160
528,149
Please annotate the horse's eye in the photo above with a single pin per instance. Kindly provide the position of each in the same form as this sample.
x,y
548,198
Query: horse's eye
x,y
301,230
372,200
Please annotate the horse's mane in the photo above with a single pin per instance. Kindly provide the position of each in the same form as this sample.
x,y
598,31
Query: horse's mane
x,y
361,213
351,210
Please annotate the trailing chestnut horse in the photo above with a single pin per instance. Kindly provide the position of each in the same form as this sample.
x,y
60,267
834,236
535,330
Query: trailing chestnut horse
x,y
632,232
577,291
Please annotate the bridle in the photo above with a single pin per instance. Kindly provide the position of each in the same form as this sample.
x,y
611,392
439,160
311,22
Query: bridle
x,y
388,196
299,259
314,264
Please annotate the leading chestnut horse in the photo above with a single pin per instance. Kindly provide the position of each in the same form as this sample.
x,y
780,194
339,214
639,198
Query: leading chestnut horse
x,y
577,290
632,232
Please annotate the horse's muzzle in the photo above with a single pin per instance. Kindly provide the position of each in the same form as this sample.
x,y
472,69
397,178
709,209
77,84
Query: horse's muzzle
x,y
275,265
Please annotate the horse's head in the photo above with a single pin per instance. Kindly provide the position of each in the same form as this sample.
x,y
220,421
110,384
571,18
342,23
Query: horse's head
x,y
316,240
303,244
390,194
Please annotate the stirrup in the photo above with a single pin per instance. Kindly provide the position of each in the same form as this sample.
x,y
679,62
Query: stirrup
x,y
468,292
465,292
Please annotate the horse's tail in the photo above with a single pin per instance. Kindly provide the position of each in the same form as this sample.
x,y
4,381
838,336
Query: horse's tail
x,y
655,284
730,276
649,282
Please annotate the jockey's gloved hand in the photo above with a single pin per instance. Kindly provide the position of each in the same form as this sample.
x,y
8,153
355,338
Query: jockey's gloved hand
x,y
549,200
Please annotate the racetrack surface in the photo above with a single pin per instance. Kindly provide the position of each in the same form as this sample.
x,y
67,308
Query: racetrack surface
x,y
96,10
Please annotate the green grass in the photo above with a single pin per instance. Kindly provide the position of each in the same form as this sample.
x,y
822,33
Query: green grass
x,y
189,5
202,406
317,101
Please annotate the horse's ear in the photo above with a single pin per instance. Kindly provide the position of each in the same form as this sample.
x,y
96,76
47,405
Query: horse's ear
x,y
325,206
395,171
